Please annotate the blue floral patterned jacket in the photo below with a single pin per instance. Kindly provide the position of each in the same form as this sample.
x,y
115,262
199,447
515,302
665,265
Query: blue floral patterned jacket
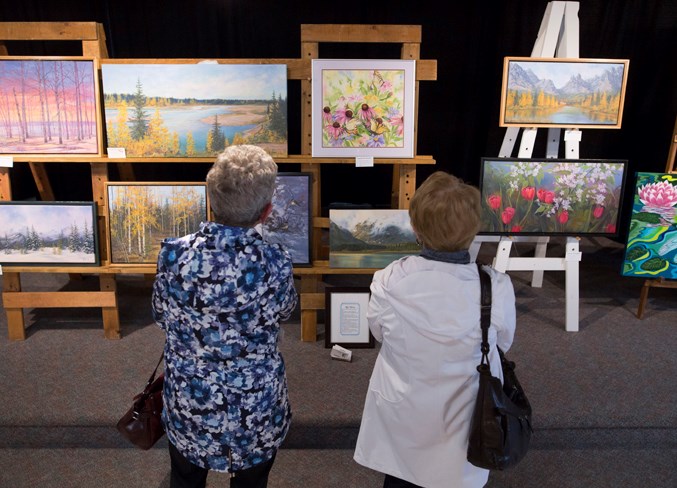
x,y
220,295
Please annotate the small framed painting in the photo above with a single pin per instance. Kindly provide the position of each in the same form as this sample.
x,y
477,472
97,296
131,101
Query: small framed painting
x,y
651,249
141,215
188,109
562,92
551,196
48,234
289,224
346,317
49,106
369,238
363,108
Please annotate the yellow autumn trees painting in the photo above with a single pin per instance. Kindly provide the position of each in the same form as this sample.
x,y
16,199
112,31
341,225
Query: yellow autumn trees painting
x,y
141,215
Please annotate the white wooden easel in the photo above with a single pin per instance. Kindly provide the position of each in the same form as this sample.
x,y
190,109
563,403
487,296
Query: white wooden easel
x,y
557,37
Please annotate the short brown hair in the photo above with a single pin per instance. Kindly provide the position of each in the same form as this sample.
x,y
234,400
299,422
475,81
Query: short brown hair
x,y
445,212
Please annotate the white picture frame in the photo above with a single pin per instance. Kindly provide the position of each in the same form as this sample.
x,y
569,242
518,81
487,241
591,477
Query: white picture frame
x,y
346,318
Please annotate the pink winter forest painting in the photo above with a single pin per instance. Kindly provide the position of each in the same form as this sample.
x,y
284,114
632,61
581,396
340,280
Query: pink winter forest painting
x,y
48,106
552,196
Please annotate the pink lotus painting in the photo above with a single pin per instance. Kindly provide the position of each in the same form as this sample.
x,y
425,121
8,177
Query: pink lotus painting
x,y
48,106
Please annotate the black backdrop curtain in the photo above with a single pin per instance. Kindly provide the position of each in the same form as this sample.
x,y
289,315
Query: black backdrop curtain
x,y
458,113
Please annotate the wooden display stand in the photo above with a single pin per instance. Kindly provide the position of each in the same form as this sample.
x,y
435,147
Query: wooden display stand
x,y
403,185
660,282
404,170
557,37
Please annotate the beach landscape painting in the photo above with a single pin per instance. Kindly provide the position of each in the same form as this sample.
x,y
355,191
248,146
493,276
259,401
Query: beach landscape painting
x,y
49,106
141,215
651,250
175,109
561,92
48,233
369,238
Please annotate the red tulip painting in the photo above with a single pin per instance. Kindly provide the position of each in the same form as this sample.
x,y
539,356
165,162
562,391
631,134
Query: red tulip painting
x,y
552,196
651,250
49,106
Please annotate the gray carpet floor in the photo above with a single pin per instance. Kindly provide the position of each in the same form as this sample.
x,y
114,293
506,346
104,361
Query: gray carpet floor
x,y
603,397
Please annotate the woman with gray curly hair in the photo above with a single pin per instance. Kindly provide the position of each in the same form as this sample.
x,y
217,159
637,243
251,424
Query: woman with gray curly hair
x,y
220,295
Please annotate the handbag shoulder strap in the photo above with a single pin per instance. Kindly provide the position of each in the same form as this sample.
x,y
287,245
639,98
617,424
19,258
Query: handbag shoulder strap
x,y
152,376
485,311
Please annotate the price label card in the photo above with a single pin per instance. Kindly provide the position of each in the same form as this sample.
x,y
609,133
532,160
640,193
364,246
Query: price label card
x,y
573,135
573,256
6,161
364,161
116,152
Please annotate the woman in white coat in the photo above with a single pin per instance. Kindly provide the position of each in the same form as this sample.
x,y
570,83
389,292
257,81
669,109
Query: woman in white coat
x,y
425,310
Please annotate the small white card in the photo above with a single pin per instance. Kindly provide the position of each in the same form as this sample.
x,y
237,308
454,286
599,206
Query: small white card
x,y
573,256
573,135
0,269
364,161
6,161
338,352
116,152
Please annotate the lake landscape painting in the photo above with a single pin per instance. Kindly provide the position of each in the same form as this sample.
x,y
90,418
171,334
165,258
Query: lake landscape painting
x,y
369,238
194,110
561,92
651,250
49,106
141,215
48,233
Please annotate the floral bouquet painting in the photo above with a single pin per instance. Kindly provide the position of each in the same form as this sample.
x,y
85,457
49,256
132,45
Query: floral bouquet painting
x,y
651,249
552,196
363,108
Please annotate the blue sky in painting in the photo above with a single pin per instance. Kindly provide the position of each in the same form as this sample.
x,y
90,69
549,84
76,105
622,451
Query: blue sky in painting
x,y
45,219
561,72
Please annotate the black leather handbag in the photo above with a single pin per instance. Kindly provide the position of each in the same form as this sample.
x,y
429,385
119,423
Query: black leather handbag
x,y
142,423
500,429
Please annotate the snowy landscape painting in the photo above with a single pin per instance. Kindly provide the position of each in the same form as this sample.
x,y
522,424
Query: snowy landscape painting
x,y
289,222
182,109
48,233
49,106
366,238
563,92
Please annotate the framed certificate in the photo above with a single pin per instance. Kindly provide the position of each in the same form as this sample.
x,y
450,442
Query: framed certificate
x,y
346,317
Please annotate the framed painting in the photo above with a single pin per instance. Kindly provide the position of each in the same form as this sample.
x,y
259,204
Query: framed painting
x,y
48,234
562,92
289,223
363,108
551,196
182,109
651,250
367,238
49,106
346,318
141,215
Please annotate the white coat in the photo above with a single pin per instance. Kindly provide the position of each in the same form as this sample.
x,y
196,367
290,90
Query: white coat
x,y
422,390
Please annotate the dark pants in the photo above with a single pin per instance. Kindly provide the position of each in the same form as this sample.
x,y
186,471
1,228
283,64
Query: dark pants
x,y
392,482
187,475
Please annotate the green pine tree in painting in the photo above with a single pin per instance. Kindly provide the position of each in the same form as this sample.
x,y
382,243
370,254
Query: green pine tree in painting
x,y
139,118
218,138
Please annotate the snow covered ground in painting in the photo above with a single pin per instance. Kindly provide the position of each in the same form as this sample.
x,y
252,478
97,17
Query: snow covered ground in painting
x,y
47,255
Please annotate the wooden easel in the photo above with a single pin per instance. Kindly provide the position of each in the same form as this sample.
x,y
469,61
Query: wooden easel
x,y
404,170
558,36
660,282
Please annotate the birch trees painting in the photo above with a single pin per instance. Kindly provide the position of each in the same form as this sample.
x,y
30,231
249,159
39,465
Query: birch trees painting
x,y
141,215
48,106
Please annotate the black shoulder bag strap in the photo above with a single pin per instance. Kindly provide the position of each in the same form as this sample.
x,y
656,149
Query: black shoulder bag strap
x,y
485,312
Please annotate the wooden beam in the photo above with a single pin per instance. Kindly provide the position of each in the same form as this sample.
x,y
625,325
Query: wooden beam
x,y
5,185
58,299
360,33
42,181
48,31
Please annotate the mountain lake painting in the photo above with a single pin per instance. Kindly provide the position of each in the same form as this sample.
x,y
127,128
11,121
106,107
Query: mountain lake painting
x,y
289,222
651,250
563,93
48,106
194,110
48,233
369,238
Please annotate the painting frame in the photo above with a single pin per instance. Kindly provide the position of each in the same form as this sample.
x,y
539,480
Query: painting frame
x,y
119,224
382,130
651,242
345,321
69,239
49,97
369,238
189,92
573,109
550,197
292,229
